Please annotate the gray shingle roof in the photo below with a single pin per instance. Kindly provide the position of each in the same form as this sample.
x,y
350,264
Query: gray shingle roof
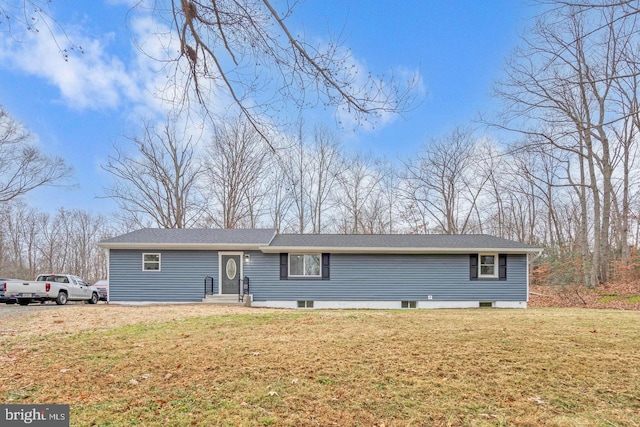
x,y
156,237
263,239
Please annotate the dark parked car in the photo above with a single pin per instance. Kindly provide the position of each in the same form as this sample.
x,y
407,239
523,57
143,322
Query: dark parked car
x,y
103,289
2,297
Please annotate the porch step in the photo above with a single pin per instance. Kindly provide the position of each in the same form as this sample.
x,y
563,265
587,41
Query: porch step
x,y
222,299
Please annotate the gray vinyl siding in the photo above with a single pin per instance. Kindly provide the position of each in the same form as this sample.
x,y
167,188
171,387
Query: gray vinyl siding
x,y
389,277
353,277
180,279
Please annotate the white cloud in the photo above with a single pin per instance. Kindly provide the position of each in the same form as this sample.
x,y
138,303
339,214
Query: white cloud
x,y
94,79
100,77
147,81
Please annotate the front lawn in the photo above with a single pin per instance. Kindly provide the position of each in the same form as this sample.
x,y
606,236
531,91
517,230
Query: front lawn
x,y
536,367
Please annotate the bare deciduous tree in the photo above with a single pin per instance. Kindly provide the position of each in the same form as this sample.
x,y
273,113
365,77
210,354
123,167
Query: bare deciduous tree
x,y
23,167
245,49
34,16
324,165
564,90
279,195
245,46
295,164
158,180
443,181
20,226
234,171
35,242
359,209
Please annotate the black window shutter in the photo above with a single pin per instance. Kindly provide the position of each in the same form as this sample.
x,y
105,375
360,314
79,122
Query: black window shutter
x,y
284,266
502,266
473,266
325,267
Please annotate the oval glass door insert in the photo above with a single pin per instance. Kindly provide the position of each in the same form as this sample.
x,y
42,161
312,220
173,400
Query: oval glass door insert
x,y
231,268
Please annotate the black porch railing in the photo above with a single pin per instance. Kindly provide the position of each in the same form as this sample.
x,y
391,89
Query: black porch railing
x,y
244,288
208,286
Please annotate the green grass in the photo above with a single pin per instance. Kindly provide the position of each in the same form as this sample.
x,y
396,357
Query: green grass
x,y
633,299
294,368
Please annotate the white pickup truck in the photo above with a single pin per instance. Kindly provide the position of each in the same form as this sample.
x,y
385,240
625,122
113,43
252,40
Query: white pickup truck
x,y
51,287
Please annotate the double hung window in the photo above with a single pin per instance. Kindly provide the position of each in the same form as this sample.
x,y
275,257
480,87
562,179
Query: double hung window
x,y
488,265
305,265
150,262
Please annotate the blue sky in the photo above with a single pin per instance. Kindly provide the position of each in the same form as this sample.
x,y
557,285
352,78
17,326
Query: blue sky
x,y
78,109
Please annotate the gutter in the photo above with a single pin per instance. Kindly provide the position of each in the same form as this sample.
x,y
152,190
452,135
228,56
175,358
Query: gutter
x,y
395,250
183,246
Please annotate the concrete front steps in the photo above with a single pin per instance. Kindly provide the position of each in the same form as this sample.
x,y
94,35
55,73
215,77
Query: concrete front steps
x,y
227,300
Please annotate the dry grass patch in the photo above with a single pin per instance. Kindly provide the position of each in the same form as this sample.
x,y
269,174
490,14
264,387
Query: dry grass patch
x,y
296,368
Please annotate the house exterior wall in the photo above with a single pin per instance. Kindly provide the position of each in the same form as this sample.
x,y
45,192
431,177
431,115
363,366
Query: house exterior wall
x,y
385,277
181,278
368,281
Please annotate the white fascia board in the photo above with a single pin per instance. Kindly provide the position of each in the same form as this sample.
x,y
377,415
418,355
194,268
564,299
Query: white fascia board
x,y
183,246
394,250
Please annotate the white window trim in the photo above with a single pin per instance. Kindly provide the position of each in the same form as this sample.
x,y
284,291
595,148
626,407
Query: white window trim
x,y
496,266
159,261
303,265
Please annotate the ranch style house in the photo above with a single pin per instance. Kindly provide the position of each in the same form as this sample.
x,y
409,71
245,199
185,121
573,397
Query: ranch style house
x,y
263,268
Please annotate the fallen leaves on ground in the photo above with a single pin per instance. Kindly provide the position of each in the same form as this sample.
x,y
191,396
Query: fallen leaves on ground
x,y
618,295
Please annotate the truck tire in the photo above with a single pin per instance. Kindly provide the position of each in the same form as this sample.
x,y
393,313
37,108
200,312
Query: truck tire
x,y
61,299
24,301
94,298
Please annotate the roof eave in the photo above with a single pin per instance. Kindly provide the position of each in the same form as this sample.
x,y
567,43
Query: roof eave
x,y
395,250
183,246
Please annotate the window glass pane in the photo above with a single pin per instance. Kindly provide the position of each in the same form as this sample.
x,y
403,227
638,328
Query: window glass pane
x,y
152,257
296,265
487,270
231,269
312,265
487,259
151,266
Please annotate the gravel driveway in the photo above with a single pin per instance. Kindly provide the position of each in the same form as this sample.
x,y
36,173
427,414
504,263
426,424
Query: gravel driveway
x,y
13,309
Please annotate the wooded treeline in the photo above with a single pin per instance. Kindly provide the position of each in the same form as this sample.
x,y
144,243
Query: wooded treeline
x,y
558,167
64,241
